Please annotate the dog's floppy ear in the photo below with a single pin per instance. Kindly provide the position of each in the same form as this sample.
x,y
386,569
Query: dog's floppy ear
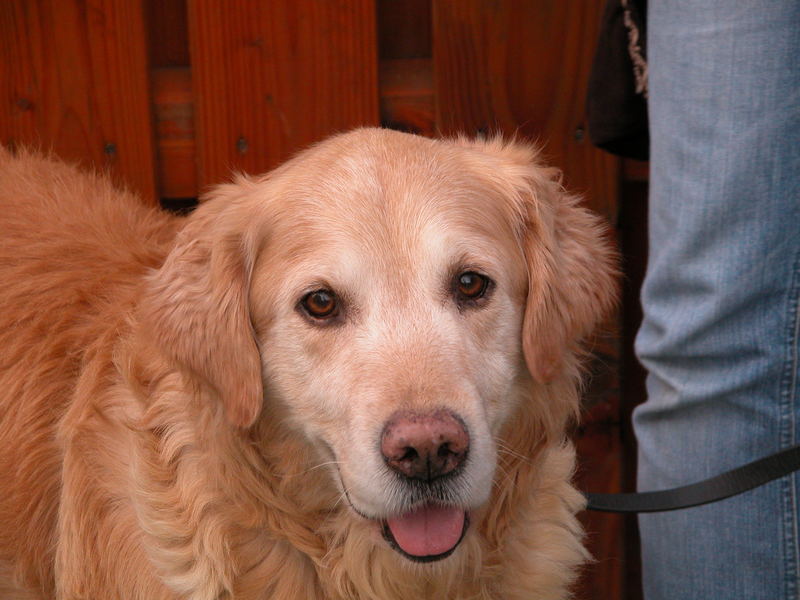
x,y
572,271
196,309
571,262
572,275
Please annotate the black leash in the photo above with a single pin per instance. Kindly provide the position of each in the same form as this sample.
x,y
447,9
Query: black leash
x,y
716,488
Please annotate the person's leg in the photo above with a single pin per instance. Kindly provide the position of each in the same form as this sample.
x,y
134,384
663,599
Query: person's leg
x,y
720,333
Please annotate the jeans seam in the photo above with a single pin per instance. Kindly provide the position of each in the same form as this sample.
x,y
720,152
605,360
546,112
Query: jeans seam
x,y
788,401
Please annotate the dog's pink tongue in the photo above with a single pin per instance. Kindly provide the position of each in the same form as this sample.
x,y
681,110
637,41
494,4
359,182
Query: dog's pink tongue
x,y
429,530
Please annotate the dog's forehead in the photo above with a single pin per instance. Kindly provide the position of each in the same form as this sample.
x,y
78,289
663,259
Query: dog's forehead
x,y
388,215
397,193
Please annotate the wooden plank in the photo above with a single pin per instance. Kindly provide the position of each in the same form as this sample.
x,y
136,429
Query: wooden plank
x,y
406,95
272,77
632,228
404,28
521,66
601,465
175,135
168,30
73,79
406,66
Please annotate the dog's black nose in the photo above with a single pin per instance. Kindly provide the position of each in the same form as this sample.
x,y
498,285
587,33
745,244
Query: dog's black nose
x,y
424,446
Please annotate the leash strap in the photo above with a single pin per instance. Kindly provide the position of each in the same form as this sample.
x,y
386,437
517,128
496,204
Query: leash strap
x,y
722,486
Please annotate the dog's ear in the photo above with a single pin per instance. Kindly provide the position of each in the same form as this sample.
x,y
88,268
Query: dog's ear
x,y
572,271
572,275
571,262
196,309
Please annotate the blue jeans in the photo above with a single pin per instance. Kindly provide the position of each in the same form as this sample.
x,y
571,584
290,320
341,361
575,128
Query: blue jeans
x,y
720,332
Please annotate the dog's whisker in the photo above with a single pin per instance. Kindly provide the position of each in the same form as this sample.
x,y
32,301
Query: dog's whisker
x,y
506,477
342,497
505,449
320,465
501,481
304,471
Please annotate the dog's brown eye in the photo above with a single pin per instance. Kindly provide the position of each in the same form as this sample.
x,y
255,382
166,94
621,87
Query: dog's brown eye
x,y
471,285
321,304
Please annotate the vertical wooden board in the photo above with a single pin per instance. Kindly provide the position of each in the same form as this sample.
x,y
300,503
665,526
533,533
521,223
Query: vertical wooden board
x,y
601,465
118,50
404,29
272,77
17,123
521,66
406,95
406,66
175,136
74,80
169,33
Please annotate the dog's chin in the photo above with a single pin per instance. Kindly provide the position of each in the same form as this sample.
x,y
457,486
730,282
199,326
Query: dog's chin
x,y
429,533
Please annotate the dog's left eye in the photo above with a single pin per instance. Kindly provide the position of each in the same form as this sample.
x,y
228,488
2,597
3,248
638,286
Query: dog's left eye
x,y
320,304
471,285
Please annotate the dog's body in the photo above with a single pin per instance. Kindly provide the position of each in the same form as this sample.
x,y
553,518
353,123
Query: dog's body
x,y
234,404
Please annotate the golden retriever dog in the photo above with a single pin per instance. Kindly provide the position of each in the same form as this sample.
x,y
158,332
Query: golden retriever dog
x,y
349,378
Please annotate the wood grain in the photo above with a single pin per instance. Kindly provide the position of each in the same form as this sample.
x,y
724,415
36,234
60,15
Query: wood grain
x,y
272,77
73,78
601,466
406,95
175,134
168,38
404,28
517,66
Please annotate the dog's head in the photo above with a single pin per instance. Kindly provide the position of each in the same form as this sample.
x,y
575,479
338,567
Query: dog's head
x,y
398,298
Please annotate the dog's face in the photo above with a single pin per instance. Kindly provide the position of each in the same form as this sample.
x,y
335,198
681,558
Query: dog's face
x,y
388,307
397,294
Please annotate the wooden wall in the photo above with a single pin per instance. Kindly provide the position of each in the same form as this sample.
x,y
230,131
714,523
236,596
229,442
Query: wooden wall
x,y
170,96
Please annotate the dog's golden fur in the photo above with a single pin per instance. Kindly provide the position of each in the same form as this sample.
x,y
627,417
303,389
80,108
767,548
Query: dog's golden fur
x,y
167,415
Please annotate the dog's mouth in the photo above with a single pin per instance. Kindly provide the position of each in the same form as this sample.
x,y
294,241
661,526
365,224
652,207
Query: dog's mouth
x,y
428,533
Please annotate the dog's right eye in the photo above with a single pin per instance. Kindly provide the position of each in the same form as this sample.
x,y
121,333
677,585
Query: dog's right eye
x,y
471,286
320,304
